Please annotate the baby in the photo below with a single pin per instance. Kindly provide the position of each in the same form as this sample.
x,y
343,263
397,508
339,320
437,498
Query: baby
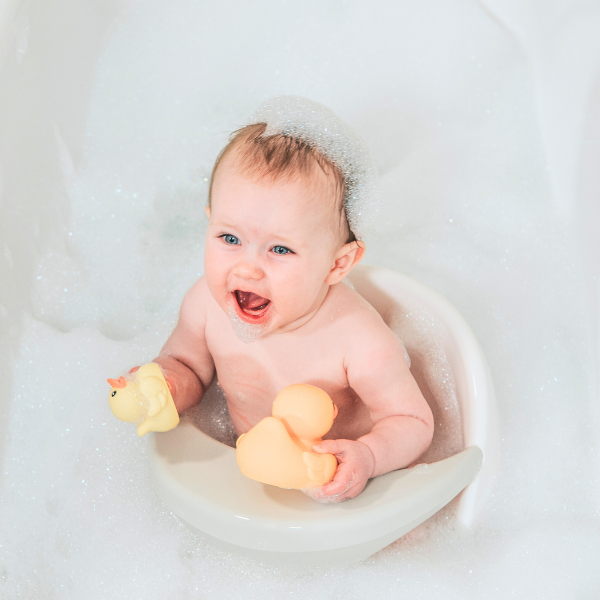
x,y
272,310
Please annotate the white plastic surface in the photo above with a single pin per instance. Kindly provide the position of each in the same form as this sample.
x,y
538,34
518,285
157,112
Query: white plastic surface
x,y
384,288
199,479
464,108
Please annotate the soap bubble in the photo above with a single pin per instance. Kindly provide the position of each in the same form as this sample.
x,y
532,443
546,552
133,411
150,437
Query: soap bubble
x,y
246,332
321,128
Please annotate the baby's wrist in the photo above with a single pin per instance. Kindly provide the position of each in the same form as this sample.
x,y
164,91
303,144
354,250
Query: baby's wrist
x,y
370,458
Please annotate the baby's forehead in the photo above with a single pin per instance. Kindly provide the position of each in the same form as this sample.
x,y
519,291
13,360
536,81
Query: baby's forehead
x,y
290,205
320,186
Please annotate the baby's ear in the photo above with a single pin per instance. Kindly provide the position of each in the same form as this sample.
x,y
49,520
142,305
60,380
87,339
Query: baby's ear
x,y
348,256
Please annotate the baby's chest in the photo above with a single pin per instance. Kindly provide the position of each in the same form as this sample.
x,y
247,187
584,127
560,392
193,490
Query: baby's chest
x,y
259,371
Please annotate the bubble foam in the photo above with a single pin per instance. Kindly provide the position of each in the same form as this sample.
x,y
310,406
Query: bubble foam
x,y
421,334
246,332
321,128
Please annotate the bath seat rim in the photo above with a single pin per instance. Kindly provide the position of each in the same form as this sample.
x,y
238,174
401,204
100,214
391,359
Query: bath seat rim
x,y
478,385
328,527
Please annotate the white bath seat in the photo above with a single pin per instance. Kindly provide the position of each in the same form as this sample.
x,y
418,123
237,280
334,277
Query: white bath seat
x,y
198,477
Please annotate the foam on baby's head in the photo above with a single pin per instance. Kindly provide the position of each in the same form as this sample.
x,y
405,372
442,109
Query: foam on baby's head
x,y
289,135
277,157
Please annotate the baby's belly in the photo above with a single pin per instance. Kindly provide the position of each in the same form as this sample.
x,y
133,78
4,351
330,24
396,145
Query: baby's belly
x,y
248,405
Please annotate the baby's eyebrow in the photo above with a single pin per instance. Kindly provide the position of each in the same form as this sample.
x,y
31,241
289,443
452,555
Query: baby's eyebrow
x,y
285,241
224,224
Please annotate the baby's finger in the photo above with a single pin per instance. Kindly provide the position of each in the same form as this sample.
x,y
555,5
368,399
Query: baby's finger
x,y
334,447
341,482
351,492
354,488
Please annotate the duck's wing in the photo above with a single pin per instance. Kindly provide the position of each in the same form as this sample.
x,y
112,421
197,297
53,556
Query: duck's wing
x,y
267,454
153,387
320,467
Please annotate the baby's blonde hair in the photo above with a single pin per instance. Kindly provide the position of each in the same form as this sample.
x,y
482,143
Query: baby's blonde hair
x,y
276,156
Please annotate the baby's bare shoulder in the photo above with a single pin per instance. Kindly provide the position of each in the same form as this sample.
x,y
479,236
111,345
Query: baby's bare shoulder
x,y
351,306
357,320
374,356
195,304
199,289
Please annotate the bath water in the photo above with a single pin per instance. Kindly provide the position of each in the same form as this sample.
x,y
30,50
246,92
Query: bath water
x,y
446,99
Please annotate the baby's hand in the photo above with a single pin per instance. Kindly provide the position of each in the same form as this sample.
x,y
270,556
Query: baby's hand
x,y
356,465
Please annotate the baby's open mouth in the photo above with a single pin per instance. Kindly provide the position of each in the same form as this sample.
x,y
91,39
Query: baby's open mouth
x,y
252,307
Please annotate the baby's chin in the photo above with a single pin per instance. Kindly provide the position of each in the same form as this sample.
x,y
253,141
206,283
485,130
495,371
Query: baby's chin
x,y
246,332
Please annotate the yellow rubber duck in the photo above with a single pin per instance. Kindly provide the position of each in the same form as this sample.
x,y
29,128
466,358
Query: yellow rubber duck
x,y
278,449
146,398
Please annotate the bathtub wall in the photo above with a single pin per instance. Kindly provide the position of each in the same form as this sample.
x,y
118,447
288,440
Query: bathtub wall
x,y
48,54
561,40
484,119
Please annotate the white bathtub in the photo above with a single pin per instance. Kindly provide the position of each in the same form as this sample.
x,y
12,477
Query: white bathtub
x,y
486,138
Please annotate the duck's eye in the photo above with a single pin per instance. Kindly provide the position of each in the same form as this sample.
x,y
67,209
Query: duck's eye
x,y
230,239
114,392
281,250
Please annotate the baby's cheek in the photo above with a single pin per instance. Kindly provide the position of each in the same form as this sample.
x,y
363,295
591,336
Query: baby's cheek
x,y
296,292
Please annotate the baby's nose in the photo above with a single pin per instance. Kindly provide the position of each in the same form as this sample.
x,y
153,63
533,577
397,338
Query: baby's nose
x,y
248,269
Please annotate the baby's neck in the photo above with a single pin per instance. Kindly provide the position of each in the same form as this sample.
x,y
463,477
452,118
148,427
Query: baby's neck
x,y
308,317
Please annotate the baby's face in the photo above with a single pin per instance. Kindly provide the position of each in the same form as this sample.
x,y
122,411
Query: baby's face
x,y
269,248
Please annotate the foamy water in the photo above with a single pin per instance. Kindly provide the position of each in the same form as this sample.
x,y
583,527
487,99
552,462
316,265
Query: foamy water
x,y
446,99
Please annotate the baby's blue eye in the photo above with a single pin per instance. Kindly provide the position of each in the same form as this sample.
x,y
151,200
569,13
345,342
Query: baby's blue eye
x,y
230,239
281,250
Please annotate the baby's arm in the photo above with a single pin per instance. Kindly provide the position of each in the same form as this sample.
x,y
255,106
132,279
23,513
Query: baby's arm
x,y
185,360
402,420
